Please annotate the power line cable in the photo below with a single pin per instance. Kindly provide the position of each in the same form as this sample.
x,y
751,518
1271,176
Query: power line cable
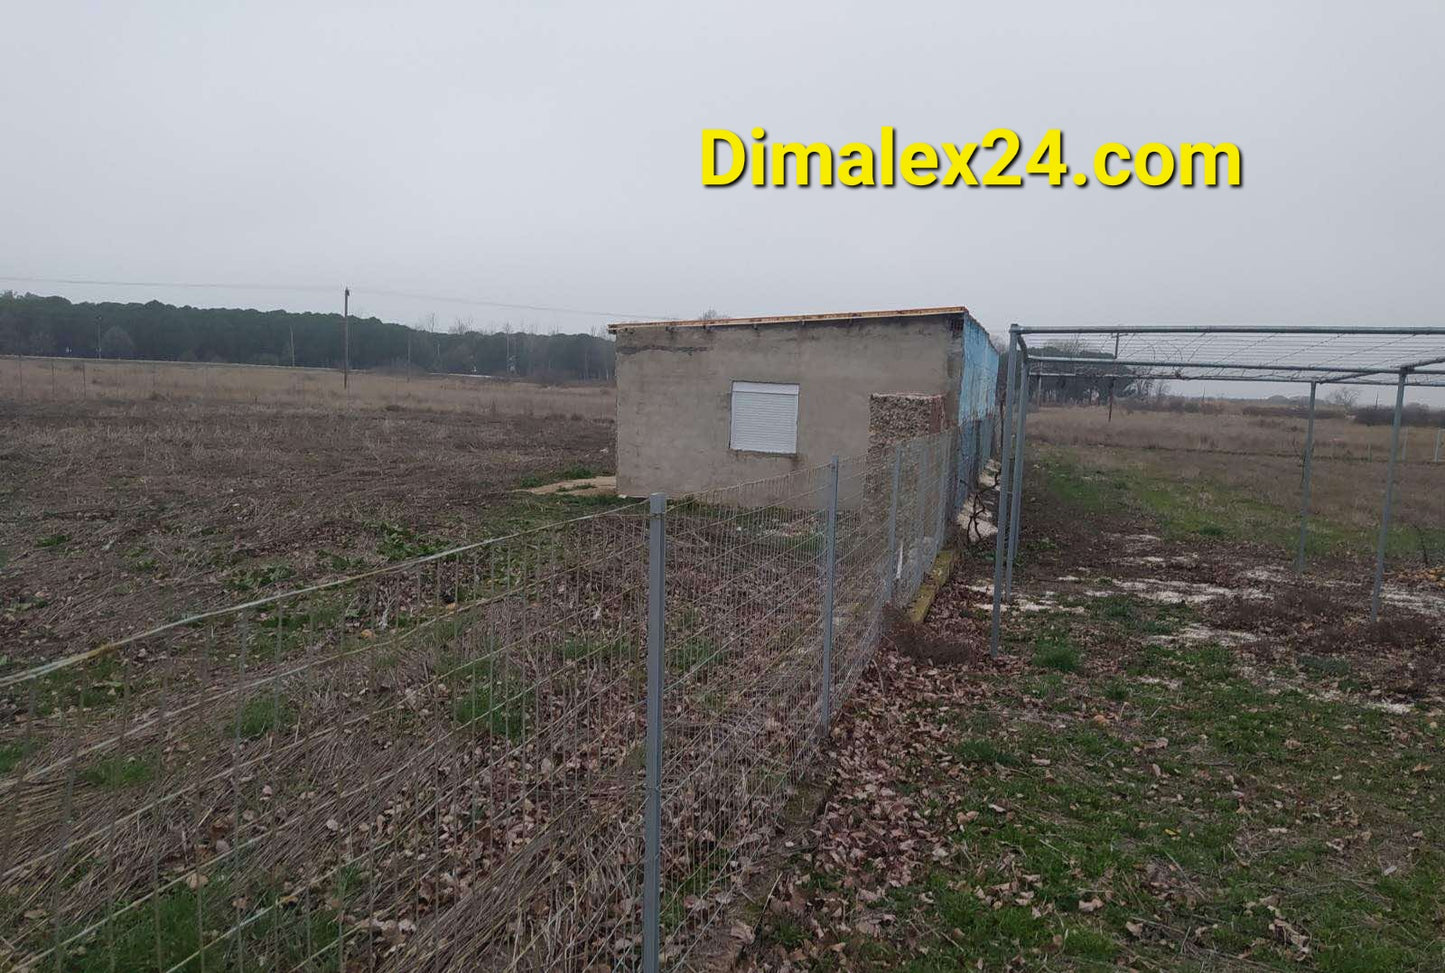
x,y
167,283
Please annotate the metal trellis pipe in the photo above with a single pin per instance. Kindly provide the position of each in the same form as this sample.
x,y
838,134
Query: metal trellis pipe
x,y
1304,514
892,566
831,554
652,812
1000,548
1016,507
1389,498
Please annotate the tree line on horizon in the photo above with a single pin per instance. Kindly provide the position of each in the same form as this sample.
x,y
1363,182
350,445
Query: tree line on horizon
x,y
36,325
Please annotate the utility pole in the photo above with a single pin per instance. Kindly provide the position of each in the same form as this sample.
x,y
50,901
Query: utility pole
x,y
293,345
346,338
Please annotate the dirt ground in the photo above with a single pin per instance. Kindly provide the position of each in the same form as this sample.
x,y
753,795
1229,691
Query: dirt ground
x,y
1184,759
119,515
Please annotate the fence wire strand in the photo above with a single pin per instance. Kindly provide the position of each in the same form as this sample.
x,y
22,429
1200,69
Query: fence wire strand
x,y
440,765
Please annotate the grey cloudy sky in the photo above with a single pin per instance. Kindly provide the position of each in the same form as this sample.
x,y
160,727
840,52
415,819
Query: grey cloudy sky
x,y
550,154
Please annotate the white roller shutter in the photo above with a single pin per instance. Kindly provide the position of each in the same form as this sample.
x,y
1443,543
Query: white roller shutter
x,y
765,417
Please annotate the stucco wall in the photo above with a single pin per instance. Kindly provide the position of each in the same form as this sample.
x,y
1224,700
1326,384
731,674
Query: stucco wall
x,y
674,392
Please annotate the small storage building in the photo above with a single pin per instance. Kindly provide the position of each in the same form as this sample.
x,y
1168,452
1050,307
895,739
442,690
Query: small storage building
x,y
710,403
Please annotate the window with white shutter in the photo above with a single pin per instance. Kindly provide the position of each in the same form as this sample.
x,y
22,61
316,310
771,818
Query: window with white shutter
x,y
765,417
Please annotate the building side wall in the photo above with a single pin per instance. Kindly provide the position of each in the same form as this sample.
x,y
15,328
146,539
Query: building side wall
x,y
674,391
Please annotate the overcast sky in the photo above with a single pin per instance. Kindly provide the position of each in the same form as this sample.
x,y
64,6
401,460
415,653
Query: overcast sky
x,y
549,154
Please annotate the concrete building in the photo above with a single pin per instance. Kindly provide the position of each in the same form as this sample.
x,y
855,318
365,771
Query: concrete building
x,y
709,403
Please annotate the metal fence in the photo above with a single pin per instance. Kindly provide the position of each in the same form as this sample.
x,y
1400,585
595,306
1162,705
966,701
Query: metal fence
x,y
564,749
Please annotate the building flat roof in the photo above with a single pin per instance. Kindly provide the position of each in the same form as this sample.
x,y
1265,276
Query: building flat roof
x,y
916,312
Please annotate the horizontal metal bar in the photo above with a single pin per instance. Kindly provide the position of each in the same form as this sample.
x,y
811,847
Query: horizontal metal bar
x,y
1234,329
1416,366
1136,376
1344,371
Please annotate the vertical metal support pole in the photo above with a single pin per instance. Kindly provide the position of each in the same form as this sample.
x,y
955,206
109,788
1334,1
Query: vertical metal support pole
x,y
1439,438
652,810
892,565
346,338
1001,527
831,567
1016,508
918,529
1304,510
1389,498
945,493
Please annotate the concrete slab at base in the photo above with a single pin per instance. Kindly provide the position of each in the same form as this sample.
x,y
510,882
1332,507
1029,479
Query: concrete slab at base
x,y
938,576
591,487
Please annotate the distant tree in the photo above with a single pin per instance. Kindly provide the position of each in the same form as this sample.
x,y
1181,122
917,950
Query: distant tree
x,y
116,343
166,332
712,314
12,333
458,358
41,342
1344,396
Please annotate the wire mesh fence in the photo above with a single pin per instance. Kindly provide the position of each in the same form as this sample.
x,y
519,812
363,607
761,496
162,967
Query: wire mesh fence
x,y
444,764
1258,452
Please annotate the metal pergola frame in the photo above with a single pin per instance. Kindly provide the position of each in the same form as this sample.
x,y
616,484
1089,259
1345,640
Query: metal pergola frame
x,y
1390,356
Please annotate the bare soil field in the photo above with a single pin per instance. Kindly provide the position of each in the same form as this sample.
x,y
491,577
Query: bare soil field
x,y
124,511
83,380
1186,758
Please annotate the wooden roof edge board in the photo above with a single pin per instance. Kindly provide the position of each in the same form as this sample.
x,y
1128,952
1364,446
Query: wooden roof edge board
x,y
840,316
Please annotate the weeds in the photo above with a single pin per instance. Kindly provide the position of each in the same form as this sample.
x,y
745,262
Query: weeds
x,y
117,771
262,716
1054,649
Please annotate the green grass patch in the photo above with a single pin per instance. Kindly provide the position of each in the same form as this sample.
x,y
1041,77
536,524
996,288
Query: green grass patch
x,y
598,648
118,771
488,698
694,653
182,930
11,754
1193,802
398,542
1325,667
1054,649
263,715
1205,507
251,579
978,750
52,540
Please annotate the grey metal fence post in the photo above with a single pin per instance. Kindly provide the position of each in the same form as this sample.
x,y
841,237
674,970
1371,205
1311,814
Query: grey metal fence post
x,y
1389,498
892,565
1439,438
1001,525
945,492
1016,508
913,543
832,556
1304,510
652,812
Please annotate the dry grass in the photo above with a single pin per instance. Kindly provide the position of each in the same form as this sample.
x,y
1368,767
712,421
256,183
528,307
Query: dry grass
x,y
73,379
1229,431
1260,457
